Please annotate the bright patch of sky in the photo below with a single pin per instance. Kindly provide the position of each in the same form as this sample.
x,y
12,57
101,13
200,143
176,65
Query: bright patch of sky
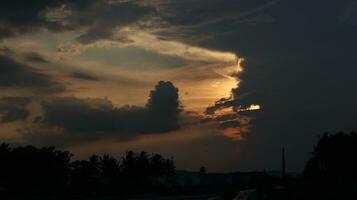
x,y
132,57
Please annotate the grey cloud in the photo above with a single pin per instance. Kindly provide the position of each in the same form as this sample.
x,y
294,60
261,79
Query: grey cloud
x,y
98,118
188,12
50,89
16,74
13,73
197,21
232,123
19,16
223,121
84,76
14,108
55,137
102,17
350,14
5,33
35,57
6,51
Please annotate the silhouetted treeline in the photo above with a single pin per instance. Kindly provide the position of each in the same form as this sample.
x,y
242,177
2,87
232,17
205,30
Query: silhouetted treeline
x,y
33,170
47,171
331,172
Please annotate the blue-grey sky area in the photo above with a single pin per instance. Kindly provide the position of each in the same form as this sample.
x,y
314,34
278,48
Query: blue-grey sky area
x,y
216,83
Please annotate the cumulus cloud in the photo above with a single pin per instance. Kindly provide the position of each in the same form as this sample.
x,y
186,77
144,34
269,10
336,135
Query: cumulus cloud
x,y
98,118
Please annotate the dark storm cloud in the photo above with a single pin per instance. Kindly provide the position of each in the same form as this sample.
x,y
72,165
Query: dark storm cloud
x,y
300,67
20,16
350,14
98,118
198,21
13,108
23,16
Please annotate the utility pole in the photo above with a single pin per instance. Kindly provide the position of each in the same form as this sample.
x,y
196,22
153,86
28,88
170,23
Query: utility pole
x,y
283,167
283,173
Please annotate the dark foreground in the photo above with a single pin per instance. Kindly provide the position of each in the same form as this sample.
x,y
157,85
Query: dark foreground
x,y
47,173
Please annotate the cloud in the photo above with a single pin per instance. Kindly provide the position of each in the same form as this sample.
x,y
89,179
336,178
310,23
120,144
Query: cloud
x,y
174,48
18,17
153,43
199,21
163,107
50,90
68,117
14,108
105,17
5,33
84,76
296,71
35,57
14,74
299,66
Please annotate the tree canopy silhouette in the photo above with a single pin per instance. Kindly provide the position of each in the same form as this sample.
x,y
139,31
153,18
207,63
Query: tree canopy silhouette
x,y
332,169
30,169
47,171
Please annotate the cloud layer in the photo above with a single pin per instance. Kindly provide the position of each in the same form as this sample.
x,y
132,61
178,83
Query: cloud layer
x,y
98,118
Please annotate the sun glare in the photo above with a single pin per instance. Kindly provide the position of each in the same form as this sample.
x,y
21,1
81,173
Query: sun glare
x,y
253,107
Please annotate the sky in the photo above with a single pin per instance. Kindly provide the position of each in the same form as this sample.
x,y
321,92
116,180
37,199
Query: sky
x,y
223,84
